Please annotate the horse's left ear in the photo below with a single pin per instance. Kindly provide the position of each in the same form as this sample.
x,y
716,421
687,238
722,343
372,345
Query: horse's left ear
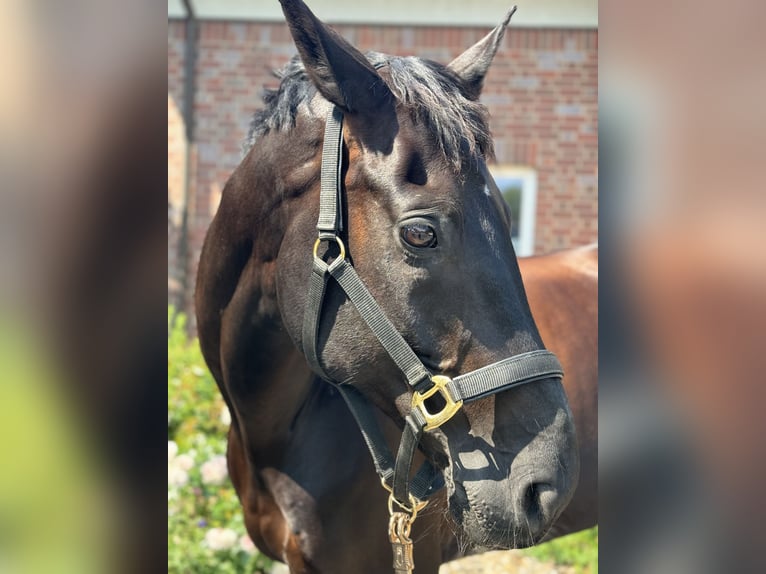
x,y
472,65
339,71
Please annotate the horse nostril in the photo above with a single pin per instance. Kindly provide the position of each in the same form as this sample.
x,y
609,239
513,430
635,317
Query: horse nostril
x,y
538,502
530,502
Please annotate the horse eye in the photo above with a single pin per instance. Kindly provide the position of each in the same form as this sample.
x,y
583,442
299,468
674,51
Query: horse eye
x,y
418,235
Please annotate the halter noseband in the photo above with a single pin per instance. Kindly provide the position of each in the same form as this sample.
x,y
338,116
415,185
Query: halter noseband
x,y
408,495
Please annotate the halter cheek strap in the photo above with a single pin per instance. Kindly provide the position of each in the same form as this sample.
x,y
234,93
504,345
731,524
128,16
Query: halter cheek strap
x,y
502,375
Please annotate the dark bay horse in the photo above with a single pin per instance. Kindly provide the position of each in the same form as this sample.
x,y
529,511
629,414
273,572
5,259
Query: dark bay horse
x,y
422,226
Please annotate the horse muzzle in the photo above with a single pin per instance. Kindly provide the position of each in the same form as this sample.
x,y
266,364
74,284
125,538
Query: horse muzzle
x,y
503,500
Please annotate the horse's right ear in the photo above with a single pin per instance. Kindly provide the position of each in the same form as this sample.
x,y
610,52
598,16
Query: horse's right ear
x,y
472,65
339,71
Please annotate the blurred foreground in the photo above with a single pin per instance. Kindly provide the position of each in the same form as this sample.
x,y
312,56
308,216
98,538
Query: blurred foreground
x,y
81,287
683,308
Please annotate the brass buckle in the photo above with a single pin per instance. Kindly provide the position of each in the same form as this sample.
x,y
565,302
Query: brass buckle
x,y
416,505
435,420
337,239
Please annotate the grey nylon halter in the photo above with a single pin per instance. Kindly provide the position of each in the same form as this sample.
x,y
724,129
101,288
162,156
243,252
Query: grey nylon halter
x,y
507,373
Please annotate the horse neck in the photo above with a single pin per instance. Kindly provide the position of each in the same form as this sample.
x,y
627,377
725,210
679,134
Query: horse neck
x,y
270,380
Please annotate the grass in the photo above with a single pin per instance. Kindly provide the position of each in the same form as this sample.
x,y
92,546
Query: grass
x,y
578,550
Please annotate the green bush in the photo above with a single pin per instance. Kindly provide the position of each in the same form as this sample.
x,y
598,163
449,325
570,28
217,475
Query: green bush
x,y
194,404
579,550
206,533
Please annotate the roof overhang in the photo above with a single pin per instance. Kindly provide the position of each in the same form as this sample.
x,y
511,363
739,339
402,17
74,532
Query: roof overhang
x,y
486,13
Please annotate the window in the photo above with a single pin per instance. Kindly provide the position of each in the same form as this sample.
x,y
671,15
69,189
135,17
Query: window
x,y
518,185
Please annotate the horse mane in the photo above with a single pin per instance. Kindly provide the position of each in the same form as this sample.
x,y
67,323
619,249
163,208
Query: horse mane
x,y
430,91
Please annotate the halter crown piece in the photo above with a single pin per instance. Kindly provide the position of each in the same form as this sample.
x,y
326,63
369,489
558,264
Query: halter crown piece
x,y
407,496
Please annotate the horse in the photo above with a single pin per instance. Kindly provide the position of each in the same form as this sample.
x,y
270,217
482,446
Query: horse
x,y
562,290
404,316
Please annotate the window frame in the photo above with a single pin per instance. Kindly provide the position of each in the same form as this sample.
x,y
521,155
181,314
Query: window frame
x,y
527,216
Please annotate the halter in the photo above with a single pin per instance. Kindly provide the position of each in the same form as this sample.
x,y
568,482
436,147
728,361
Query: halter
x,y
407,496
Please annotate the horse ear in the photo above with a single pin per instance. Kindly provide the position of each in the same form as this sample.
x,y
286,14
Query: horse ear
x,y
339,71
471,66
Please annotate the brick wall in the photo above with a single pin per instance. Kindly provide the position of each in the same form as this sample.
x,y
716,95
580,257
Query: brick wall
x,y
176,160
176,156
541,92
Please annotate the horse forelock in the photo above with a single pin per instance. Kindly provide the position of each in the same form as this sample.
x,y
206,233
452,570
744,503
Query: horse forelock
x,y
429,90
436,101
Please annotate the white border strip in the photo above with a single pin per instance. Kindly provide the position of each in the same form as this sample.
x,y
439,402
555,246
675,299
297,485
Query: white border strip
x,y
537,14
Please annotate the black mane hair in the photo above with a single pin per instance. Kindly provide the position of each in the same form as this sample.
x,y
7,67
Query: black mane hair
x,y
431,92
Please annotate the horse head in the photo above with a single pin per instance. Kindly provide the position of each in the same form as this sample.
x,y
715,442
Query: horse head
x,y
431,241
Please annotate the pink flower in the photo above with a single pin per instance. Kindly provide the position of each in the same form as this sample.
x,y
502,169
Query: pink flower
x,y
172,450
184,462
178,466
246,544
225,416
177,477
214,471
220,538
